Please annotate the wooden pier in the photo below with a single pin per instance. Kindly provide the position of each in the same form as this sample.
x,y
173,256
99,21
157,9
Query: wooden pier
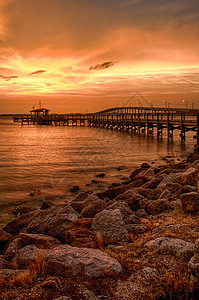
x,y
141,120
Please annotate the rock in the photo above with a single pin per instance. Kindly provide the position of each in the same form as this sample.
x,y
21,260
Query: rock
x,y
135,183
22,210
194,265
91,198
190,201
52,221
166,194
93,208
13,248
74,189
135,172
141,213
136,228
39,240
47,204
4,239
110,226
65,260
4,264
152,183
101,175
123,207
51,283
176,189
154,207
147,175
112,192
190,177
18,224
190,188
27,256
145,166
32,194
94,181
167,179
7,274
132,198
172,246
132,219
77,203
79,235
150,194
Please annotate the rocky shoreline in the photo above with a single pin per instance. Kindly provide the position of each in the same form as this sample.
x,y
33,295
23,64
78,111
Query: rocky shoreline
x,y
138,239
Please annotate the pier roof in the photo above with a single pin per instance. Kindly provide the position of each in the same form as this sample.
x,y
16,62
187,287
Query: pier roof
x,y
39,110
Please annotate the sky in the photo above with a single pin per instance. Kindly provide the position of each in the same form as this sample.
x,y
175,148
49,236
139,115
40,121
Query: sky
x,y
86,55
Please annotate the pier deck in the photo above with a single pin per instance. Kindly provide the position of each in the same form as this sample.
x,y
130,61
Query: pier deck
x,y
132,119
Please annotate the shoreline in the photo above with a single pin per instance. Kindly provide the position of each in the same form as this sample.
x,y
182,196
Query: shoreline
x,y
146,229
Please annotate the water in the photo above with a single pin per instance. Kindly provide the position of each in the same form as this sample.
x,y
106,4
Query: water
x,y
48,160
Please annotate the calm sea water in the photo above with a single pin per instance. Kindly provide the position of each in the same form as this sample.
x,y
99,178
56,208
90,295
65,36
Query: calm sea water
x,y
48,160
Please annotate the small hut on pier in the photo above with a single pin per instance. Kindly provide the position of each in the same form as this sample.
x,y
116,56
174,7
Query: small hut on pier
x,y
40,112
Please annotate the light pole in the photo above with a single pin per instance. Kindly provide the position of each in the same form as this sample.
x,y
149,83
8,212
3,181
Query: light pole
x,y
186,102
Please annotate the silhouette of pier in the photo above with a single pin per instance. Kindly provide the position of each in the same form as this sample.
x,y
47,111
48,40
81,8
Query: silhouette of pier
x,y
137,120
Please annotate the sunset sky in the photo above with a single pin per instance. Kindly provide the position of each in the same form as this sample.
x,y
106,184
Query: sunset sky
x,y
92,54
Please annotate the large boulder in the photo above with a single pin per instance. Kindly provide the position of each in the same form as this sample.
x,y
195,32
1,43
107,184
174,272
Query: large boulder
x,y
110,226
190,176
172,246
52,221
13,248
123,207
65,260
41,241
190,201
27,256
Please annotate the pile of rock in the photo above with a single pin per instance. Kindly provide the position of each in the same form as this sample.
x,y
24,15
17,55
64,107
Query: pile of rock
x,y
72,238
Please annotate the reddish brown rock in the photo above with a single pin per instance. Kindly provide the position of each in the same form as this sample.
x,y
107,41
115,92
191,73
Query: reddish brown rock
x,y
4,239
17,225
190,201
4,264
65,260
112,192
27,256
154,207
131,197
122,206
52,221
79,235
39,240
13,248
136,228
110,226
135,172
93,208
190,177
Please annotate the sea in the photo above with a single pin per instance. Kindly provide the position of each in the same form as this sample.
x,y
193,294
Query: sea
x,y
40,163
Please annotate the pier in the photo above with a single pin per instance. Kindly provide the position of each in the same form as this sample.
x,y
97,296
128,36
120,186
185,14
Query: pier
x,y
137,120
